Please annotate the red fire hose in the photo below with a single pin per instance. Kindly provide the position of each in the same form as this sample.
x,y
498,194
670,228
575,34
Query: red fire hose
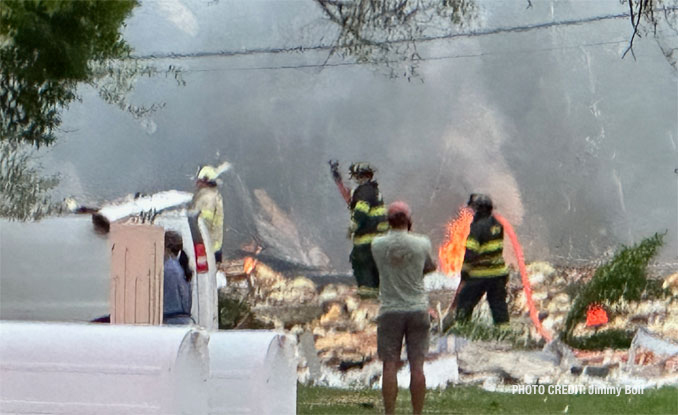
x,y
534,315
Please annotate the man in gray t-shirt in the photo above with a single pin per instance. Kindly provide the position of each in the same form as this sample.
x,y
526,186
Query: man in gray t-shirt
x,y
402,258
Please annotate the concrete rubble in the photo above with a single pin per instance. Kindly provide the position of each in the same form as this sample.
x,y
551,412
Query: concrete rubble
x,y
336,332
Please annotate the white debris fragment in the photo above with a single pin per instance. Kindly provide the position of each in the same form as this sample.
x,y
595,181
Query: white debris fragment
x,y
223,168
439,281
644,338
221,279
439,372
155,202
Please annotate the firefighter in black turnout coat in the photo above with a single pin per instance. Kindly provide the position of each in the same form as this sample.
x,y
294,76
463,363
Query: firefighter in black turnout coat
x,y
484,269
368,219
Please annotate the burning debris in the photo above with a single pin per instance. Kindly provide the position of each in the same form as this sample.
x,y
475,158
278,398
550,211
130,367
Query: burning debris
x,y
254,221
337,332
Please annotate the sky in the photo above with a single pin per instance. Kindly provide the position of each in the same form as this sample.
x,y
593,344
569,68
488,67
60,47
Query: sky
x,y
576,146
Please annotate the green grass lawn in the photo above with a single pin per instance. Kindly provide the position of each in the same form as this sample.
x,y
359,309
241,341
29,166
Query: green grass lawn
x,y
474,400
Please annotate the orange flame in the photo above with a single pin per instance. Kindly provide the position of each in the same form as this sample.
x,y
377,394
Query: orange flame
x,y
596,316
249,264
451,252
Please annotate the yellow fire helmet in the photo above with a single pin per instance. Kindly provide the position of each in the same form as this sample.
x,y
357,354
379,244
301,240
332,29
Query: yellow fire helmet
x,y
207,173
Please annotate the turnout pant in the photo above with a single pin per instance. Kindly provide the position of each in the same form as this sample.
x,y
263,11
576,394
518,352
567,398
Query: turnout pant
x,y
364,268
472,291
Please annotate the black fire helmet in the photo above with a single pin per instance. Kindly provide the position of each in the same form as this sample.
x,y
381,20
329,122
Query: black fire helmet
x,y
360,169
480,202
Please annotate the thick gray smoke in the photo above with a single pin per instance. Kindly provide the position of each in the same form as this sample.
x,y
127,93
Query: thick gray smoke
x,y
576,146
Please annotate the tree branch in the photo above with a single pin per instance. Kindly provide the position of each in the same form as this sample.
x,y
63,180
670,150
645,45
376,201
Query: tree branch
x,y
635,21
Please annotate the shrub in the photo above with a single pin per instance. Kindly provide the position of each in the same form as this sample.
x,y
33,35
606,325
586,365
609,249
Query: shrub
x,y
624,277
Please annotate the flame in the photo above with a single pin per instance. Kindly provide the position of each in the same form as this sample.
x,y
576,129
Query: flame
x,y
451,252
596,316
249,264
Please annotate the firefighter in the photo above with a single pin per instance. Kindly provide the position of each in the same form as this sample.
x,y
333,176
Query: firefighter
x,y
208,202
368,219
484,269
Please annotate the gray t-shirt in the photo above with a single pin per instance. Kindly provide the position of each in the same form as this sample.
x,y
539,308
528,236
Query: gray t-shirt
x,y
400,257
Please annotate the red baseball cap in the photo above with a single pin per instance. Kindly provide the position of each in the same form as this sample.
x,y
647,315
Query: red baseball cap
x,y
399,207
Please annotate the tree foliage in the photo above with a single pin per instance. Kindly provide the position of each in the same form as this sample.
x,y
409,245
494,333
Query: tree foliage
x,y
385,32
47,48
23,191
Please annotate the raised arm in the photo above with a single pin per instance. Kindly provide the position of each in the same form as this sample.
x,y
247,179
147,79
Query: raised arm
x,y
345,192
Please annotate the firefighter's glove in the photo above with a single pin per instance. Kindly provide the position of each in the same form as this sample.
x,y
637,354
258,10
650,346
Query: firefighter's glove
x,y
334,168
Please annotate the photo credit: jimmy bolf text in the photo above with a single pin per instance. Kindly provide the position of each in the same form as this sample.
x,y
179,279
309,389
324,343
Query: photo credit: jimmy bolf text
x,y
576,390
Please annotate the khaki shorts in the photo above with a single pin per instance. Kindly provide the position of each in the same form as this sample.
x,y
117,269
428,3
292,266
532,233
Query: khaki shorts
x,y
393,326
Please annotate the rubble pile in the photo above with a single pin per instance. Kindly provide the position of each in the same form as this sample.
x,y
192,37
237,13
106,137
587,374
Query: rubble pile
x,y
272,300
337,332
551,292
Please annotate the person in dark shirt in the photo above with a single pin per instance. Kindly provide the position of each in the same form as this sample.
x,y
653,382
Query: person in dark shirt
x,y
177,294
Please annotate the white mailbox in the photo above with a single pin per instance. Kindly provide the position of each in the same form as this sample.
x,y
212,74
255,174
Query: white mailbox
x,y
252,372
57,368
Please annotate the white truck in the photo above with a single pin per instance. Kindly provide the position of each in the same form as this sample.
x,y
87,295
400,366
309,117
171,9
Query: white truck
x,y
59,268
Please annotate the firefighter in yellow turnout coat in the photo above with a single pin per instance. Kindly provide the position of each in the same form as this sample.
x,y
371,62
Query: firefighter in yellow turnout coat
x,y
368,219
208,201
484,269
